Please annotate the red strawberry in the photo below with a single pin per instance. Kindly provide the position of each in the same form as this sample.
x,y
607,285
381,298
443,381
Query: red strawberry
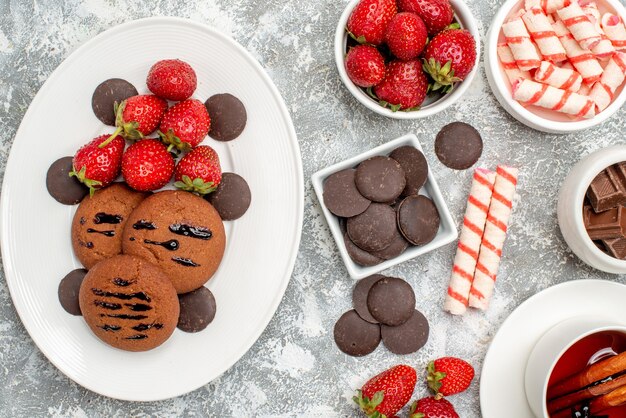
x,y
199,171
98,163
365,65
432,408
449,375
406,36
139,116
450,57
172,80
404,87
147,165
185,124
386,393
436,14
369,19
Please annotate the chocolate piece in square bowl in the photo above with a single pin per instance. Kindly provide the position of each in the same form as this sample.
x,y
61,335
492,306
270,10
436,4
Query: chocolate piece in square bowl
x,y
415,168
374,229
447,232
358,255
341,195
380,179
418,219
608,188
355,336
398,245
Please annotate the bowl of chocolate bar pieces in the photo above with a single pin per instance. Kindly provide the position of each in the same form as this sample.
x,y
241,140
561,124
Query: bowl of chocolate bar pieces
x,y
591,209
558,66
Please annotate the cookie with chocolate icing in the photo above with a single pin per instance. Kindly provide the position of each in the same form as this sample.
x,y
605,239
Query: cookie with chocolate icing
x,y
179,232
129,303
99,221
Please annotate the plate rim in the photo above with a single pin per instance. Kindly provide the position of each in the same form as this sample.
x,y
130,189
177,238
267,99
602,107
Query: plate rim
x,y
7,264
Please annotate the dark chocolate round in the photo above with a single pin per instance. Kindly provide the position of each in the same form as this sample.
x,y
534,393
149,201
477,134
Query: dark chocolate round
x,y
458,145
197,310
355,336
374,229
418,219
232,197
228,116
415,168
358,255
63,188
408,337
341,196
397,247
391,301
106,94
69,288
380,179
359,296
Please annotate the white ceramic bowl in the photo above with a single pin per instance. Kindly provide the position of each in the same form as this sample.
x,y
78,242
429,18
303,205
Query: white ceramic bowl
x,y
570,208
546,121
447,230
549,349
465,18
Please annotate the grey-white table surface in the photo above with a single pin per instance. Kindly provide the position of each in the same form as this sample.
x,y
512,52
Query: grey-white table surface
x,y
294,369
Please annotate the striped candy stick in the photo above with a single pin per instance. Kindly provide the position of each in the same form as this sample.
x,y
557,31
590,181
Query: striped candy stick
x,y
541,32
561,78
494,236
517,37
548,6
579,25
529,92
603,92
615,30
466,257
511,69
582,59
604,49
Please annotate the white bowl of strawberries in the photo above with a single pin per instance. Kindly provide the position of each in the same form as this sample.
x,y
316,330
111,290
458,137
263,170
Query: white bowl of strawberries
x,y
407,59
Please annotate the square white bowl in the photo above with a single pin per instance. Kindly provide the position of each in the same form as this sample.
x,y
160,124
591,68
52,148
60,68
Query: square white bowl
x,y
446,234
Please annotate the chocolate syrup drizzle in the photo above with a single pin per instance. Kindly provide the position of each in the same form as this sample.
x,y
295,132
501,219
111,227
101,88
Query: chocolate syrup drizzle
x,y
191,231
105,233
105,218
107,327
187,262
124,316
138,307
171,245
145,327
137,337
123,296
143,224
107,305
118,281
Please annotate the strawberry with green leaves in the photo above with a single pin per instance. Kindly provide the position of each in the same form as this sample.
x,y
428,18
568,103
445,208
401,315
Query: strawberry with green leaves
x,y
369,19
432,407
172,79
199,171
365,65
147,165
449,375
404,87
185,125
97,163
450,57
386,393
138,116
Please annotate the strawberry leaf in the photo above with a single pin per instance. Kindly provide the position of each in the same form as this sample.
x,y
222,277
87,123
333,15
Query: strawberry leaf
x,y
395,108
454,25
434,377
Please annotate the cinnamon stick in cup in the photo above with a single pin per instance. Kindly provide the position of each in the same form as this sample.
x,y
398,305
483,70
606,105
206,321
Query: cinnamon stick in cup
x,y
582,395
595,372
611,399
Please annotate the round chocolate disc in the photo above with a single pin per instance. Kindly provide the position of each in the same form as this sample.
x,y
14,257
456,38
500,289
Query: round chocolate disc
x,y
458,145
232,197
415,168
63,188
341,196
380,179
228,116
197,310
408,337
418,219
397,247
359,296
69,288
359,256
374,229
355,336
391,301
106,94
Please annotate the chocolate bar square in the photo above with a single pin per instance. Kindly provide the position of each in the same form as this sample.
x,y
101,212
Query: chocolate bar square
x,y
608,189
605,225
616,247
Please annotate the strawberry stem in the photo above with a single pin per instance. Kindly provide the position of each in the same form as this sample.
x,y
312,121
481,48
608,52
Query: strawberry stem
x,y
109,139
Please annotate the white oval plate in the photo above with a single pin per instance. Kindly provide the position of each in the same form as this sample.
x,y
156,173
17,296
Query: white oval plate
x,y
261,246
502,391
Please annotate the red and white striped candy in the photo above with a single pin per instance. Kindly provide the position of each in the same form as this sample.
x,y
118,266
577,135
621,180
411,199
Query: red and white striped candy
x,y
579,25
518,39
511,69
615,30
468,248
548,6
604,49
582,59
544,36
561,78
603,92
530,92
494,237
